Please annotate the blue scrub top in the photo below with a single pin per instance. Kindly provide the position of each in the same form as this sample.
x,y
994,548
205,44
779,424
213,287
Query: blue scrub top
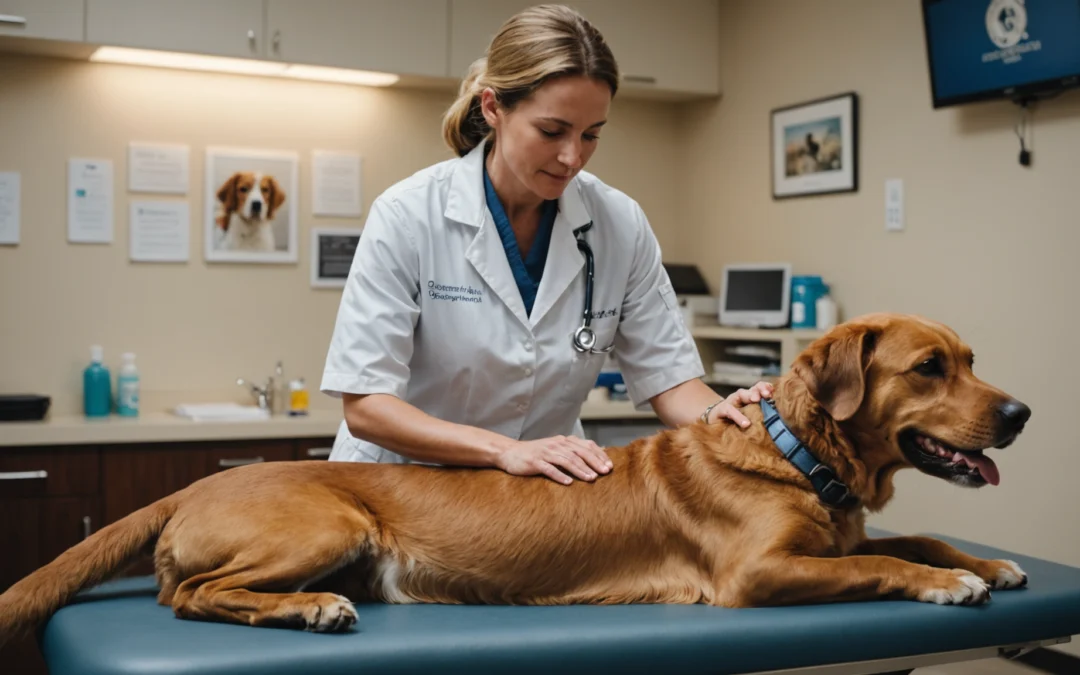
x,y
527,272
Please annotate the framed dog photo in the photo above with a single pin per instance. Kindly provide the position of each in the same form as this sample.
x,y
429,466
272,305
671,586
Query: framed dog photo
x,y
251,205
332,251
815,147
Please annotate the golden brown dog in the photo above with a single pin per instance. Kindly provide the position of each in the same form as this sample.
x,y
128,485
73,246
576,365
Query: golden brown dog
x,y
699,514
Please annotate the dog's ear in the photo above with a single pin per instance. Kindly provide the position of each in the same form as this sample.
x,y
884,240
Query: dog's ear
x,y
226,194
277,197
834,368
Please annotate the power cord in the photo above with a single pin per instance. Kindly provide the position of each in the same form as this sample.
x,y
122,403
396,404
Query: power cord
x,y
1021,133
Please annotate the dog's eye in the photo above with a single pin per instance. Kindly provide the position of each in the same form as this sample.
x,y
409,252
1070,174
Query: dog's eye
x,y
243,189
931,367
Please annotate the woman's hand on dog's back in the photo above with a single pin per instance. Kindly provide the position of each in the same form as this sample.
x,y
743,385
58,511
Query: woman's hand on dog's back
x,y
560,458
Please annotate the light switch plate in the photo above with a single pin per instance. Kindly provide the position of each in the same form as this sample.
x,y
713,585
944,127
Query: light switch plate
x,y
894,204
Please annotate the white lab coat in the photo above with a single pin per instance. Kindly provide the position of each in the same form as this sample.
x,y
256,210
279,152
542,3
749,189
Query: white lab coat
x,y
431,312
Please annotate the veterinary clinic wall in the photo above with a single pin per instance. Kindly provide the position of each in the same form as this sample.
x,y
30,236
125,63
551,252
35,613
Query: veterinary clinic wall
x,y
196,326
989,246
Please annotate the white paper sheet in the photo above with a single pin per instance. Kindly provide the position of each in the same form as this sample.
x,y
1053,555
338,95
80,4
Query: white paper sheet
x,y
158,168
90,201
160,231
336,183
9,207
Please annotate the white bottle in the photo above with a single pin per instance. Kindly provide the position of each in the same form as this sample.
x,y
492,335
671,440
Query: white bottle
x,y
826,312
127,387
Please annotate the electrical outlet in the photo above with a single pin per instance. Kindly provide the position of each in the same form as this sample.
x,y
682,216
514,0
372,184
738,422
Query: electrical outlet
x,y
894,205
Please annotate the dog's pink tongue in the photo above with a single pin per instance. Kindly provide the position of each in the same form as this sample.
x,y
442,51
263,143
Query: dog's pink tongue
x,y
984,464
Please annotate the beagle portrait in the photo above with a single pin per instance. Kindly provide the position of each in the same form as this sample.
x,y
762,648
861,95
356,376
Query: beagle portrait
x,y
247,202
772,514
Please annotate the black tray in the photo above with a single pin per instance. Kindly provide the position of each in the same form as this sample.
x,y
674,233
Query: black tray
x,y
23,407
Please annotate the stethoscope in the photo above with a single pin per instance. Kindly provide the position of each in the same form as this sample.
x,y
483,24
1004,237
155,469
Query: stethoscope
x,y
584,338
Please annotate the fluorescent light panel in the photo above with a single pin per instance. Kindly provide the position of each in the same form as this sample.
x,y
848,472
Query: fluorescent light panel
x,y
224,64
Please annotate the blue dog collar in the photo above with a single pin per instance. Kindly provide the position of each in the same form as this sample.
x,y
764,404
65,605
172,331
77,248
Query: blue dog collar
x,y
831,490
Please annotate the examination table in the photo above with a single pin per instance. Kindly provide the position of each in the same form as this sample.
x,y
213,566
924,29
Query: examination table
x,y
118,628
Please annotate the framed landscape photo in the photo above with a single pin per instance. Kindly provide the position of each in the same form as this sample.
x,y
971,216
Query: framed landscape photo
x,y
815,147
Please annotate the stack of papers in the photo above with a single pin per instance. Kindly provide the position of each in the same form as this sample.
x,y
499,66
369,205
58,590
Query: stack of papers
x,y
221,412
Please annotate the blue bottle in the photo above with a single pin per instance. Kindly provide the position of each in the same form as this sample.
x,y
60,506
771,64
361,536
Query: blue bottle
x,y
97,386
805,291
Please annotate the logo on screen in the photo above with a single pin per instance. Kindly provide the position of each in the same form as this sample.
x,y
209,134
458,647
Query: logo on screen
x,y
1006,22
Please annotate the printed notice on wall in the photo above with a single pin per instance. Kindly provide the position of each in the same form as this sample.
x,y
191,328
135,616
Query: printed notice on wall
x,y
90,201
156,167
336,183
9,208
160,231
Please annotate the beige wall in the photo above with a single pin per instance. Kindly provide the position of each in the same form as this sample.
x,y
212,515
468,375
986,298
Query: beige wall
x,y
195,327
990,247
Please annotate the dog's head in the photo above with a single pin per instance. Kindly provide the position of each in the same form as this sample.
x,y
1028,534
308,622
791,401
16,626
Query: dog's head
x,y
903,389
253,196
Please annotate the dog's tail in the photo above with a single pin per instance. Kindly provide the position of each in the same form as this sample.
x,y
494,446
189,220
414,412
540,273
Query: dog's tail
x,y
31,601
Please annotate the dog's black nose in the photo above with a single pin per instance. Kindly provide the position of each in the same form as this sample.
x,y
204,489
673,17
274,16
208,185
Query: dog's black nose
x,y
255,208
1014,413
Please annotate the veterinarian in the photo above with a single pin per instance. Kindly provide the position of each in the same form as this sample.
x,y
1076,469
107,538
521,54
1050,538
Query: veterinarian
x,y
459,336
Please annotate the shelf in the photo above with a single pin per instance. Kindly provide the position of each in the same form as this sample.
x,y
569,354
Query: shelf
x,y
613,410
732,333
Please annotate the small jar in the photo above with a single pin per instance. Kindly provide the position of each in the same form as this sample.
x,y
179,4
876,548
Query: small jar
x,y
298,397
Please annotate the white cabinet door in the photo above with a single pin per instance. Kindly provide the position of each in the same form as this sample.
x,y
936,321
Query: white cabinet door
x,y
670,46
408,37
667,47
42,19
472,25
218,27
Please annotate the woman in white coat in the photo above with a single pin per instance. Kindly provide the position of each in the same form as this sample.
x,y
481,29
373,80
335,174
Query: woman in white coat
x,y
454,339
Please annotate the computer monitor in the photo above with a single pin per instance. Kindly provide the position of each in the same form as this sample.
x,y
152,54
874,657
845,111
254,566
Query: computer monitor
x,y
756,295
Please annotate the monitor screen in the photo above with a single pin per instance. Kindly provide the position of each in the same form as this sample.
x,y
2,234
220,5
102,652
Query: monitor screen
x,y
984,49
755,290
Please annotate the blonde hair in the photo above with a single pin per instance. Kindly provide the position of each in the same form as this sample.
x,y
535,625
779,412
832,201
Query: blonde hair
x,y
533,46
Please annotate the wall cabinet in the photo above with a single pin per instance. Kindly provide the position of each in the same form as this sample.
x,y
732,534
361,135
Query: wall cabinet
x,y
408,37
233,28
42,19
665,48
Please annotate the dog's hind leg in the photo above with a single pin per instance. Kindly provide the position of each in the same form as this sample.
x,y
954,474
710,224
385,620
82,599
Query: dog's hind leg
x,y
263,586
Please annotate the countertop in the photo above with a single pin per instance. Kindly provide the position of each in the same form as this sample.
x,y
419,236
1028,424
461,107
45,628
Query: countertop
x,y
167,427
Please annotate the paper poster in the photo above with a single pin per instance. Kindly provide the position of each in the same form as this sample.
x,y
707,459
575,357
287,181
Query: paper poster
x,y
336,183
90,201
160,231
158,168
9,208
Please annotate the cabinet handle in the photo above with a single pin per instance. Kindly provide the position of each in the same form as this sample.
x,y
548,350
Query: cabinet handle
x,y
11,19
640,79
24,475
251,39
318,453
277,42
86,527
230,463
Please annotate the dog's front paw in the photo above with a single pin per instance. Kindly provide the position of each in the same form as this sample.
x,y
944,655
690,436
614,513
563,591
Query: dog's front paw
x,y
1003,574
956,587
330,614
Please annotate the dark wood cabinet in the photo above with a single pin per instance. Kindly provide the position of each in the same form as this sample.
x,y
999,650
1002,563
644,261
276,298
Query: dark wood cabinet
x,y
52,497
48,503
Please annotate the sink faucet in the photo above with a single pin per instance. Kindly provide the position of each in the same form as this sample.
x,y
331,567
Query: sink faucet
x,y
267,395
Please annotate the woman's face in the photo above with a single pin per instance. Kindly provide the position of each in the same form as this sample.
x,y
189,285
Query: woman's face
x,y
547,138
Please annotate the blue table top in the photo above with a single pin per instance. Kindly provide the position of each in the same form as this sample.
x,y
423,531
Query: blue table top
x,y
119,628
